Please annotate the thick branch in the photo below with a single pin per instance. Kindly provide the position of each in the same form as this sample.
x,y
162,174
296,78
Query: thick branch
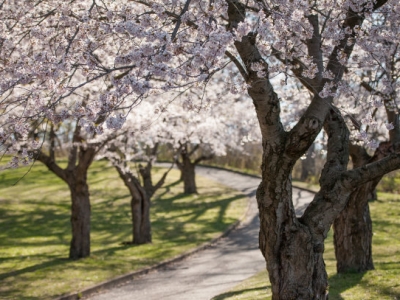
x,y
194,149
50,164
346,45
356,177
202,157
359,155
332,197
261,91
306,130
161,182
238,65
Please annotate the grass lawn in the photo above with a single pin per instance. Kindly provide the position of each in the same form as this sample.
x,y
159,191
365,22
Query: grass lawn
x,y
383,283
35,229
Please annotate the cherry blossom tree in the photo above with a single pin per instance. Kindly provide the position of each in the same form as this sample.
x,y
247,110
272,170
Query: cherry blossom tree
x,y
81,153
140,141
375,101
200,128
129,50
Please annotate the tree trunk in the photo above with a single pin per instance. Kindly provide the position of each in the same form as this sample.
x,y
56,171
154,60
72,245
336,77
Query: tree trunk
x,y
80,216
353,234
189,178
292,251
140,208
353,227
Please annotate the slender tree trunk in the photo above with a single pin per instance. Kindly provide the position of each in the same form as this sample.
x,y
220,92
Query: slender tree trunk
x,y
353,234
80,217
140,208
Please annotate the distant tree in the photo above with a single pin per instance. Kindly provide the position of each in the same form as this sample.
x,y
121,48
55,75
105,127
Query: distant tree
x,y
139,144
81,153
199,130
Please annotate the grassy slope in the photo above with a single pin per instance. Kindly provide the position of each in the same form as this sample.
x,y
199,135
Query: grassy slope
x,y
381,283
35,229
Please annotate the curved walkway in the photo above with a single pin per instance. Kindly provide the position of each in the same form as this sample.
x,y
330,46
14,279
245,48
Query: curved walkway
x,y
216,269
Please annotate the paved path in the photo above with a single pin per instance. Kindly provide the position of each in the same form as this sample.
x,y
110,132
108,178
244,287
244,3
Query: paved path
x,y
216,269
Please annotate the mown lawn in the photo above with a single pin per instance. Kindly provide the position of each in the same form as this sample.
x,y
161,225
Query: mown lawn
x,y
35,229
383,283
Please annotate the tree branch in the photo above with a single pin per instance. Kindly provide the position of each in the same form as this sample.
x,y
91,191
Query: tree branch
x,y
240,67
50,164
260,90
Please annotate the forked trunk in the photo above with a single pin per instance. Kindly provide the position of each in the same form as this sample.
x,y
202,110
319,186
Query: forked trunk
x,y
353,233
80,218
292,251
140,208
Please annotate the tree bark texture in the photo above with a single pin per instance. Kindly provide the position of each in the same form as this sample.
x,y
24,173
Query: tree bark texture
x,y
353,227
353,234
80,216
292,250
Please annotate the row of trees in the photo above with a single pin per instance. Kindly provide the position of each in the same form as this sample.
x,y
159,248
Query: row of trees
x,y
308,66
137,141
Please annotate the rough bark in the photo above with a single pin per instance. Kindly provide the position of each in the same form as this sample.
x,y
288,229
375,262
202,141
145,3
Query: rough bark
x,y
353,234
75,175
353,227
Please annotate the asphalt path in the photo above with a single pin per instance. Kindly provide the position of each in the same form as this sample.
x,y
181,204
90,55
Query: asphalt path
x,y
219,267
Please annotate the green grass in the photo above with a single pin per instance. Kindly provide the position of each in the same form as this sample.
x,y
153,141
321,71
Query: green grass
x,y
383,283
35,229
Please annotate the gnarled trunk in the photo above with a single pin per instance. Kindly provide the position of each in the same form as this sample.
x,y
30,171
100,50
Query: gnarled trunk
x,y
293,251
80,216
353,234
353,227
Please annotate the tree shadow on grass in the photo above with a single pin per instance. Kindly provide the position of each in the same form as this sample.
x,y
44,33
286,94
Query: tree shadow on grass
x,y
231,294
339,283
46,264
